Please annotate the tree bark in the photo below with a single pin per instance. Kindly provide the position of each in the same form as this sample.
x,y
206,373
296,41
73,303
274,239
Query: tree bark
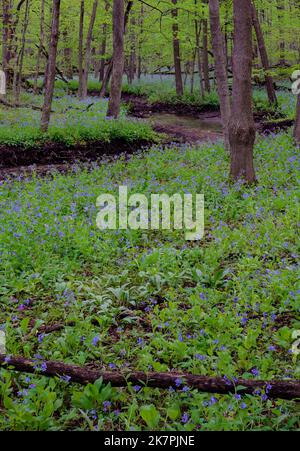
x,y
218,44
264,56
80,50
297,123
242,127
83,375
118,59
88,50
176,51
51,66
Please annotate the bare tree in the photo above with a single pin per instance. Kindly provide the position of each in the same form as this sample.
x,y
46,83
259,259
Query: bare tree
x,y
242,127
218,44
51,66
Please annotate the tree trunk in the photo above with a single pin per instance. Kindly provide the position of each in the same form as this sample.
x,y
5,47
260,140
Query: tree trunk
x,y
176,50
80,50
205,56
68,60
22,51
6,24
40,50
118,59
264,56
198,51
51,66
218,44
101,66
88,50
139,68
297,123
106,79
105,83
132,57
280,12
242,127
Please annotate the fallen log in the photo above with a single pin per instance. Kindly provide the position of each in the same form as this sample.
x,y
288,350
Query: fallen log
x,y
289,389
277,124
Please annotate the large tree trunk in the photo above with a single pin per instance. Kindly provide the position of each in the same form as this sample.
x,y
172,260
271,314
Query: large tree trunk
x,y
264,56
118,59
297,124
242,127
218,44
80,50
88,50
176,50
51,66
205,62
40,50
108,73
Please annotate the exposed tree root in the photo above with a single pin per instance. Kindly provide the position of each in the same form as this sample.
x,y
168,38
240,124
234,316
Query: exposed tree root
x,y
289,389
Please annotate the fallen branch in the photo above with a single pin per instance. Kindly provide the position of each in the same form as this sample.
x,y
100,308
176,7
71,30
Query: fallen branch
x,y
19,105
83,375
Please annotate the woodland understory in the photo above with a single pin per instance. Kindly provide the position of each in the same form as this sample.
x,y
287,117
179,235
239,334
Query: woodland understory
x,y
142,330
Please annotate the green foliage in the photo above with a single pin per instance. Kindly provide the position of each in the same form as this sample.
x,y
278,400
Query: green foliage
x,y
73,122
227,305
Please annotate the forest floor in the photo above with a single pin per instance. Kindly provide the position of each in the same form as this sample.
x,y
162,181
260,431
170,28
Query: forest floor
x,y
142,300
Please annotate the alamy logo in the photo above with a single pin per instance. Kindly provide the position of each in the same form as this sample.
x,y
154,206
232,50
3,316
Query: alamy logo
x,y
296,85
136,212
